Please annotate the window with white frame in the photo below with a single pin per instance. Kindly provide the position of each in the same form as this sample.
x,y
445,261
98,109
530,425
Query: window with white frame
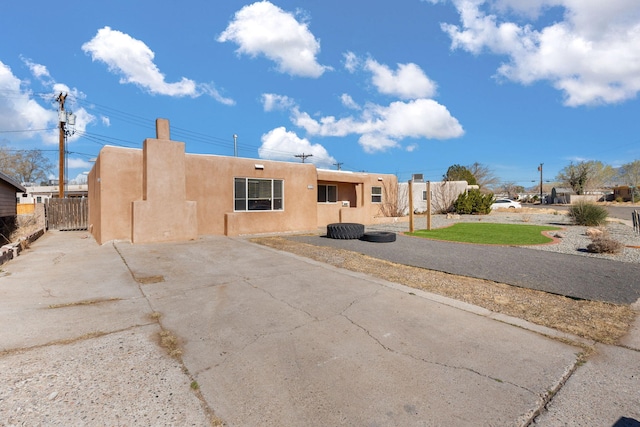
x,y
254,194
376,194
327,193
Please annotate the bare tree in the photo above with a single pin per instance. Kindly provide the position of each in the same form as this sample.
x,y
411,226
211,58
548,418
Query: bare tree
x,y
391,196
511,189
485,178
601,175
630,173
24,165
586,175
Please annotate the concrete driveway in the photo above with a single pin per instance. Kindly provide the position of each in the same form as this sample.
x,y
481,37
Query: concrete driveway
x,y
269,339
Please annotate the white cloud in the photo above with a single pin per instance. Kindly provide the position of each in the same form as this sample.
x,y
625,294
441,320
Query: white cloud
x,y
280,144
133,60
351,62
81,178
408,82
76,163
592,55
39,71
272,102
348,102
421,118
372,142
210,90
382,127
19,112
262,28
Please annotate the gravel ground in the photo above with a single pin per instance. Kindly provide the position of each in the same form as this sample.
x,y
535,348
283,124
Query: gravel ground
x,y
572,238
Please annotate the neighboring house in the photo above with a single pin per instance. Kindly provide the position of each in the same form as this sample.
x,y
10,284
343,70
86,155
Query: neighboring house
x,y
8,205
561,195
443,194
160,193
40,193
624,192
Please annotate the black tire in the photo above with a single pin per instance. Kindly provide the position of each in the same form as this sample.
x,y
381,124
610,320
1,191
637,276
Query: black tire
x,y
345,231
379,237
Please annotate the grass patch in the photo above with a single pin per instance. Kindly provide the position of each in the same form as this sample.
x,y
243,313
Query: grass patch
x,y
490,233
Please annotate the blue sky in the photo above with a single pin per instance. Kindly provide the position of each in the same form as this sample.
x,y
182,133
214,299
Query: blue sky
x,y
403,87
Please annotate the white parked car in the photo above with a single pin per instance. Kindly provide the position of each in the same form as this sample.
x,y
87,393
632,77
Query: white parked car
x,y
505,203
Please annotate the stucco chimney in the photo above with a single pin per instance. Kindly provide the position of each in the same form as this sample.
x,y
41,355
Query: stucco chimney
x,y
162,129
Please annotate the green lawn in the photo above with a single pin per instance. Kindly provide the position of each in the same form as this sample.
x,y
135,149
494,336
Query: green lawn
x,y
489,233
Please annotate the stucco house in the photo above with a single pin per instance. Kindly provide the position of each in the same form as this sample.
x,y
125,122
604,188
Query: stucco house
x,y
625,192
161,193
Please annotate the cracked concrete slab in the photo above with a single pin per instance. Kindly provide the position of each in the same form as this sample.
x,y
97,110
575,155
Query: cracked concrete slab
x,y
605,391
273,339
67,288
78,345
122,378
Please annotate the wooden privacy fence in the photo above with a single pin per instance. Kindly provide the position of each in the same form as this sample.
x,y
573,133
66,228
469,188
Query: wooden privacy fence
x,y
67,214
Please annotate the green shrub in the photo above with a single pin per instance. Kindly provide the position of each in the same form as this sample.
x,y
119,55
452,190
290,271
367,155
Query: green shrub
x,y
473,202
589,214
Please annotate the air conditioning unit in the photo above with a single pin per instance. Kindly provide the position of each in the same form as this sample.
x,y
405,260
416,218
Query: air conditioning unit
x,y
417,177
346,204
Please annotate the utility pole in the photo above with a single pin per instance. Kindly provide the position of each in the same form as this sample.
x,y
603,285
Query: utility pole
x,y
303,156
63,119
338,165
540,169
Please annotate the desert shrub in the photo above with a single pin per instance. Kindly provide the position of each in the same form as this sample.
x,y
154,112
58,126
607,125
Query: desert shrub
x,y
473,202
619,199
604,245
589,214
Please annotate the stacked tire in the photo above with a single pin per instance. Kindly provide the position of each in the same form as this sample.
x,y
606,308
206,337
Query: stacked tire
x,y
379,237
345,230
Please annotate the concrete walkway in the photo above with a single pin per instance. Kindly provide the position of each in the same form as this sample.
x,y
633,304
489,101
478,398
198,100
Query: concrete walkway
x,y
270,339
